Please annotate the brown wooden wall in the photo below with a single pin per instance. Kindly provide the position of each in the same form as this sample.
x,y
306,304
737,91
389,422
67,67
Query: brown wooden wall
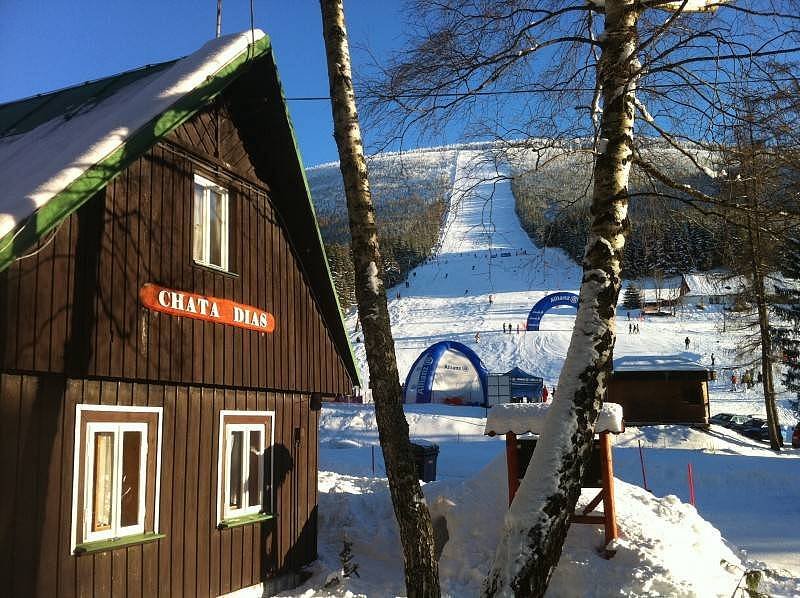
x,y
37,420
73,307
660,400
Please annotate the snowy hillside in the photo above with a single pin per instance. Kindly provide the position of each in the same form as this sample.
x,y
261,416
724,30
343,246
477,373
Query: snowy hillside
x,y
747,496
426,173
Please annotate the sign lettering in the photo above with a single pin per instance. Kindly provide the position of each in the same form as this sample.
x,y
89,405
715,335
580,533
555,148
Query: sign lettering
x,y
209,309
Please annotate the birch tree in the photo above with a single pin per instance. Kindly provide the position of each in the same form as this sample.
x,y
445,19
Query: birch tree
x,y
543,70
413,518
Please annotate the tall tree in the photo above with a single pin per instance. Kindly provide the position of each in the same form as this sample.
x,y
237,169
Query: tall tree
x,y
543,71
413,518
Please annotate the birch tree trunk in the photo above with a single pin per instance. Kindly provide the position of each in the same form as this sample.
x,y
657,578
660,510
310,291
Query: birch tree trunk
x,y
537,521
416,531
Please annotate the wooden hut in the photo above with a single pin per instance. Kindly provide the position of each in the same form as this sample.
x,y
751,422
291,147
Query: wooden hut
x,y
168,327
662,389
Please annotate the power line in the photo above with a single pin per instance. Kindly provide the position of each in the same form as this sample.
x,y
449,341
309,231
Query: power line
x,y
541,90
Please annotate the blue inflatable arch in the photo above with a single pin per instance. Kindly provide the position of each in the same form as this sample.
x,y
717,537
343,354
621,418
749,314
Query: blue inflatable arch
x,y
420,379
546,303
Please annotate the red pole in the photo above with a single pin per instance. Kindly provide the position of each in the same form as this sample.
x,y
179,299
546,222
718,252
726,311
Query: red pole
x,y
641,460
512,460
691,484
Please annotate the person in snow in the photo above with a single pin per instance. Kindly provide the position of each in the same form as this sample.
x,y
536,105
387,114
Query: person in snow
x,y
544,394
445,274
490,299
629,315
630,328
734,381
504,327
517,328
712,360
407,284
747,379
686,340
477,337
509,328
466,292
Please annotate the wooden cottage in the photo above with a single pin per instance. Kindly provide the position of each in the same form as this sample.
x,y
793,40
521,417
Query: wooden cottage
x,y
663,389
168,327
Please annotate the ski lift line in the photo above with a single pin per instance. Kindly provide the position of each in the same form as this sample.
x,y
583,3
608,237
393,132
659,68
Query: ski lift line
x,y
500,92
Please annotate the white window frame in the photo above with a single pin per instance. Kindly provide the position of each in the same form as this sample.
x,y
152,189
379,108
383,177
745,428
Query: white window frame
x,y
116,530
224,512
205,226
86,450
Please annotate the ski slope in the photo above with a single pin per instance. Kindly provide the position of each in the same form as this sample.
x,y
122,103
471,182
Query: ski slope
x,y
747,514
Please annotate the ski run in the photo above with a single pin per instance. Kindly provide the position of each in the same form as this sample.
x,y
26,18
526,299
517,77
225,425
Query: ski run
x,y
746,515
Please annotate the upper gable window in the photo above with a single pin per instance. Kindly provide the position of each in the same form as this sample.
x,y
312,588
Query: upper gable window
x,y
210,224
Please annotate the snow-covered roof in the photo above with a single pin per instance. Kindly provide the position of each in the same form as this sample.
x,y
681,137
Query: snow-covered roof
x,y
50,144
656,363
714,283
775,282
521,418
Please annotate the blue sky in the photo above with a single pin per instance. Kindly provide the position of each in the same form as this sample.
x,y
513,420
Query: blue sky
x,y
47,45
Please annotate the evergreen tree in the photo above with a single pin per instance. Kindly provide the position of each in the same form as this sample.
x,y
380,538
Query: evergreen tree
x,y
632,298
786,332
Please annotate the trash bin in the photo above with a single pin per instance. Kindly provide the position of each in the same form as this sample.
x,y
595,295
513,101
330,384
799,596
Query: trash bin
x,y
425,454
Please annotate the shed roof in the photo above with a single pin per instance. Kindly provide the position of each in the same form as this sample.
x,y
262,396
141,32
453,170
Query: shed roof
x,y
656,363
58,149
714,283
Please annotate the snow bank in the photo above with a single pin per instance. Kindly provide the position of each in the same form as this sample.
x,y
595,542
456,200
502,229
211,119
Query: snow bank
x,y
521,418
665,547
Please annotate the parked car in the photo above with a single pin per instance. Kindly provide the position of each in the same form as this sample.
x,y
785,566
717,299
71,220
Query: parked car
x,y
796,436
721,419
756,429
738,422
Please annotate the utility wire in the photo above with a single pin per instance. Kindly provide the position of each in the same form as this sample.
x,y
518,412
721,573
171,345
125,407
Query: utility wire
x,y
541,90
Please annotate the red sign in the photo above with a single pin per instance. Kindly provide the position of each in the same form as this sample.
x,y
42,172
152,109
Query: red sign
x,y
208,309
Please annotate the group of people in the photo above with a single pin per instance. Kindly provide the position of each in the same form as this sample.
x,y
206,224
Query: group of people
x,y
633,328
748,379
509,329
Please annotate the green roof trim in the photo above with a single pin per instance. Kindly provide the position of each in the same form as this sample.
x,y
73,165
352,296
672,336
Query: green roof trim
x,y
45,219
316,221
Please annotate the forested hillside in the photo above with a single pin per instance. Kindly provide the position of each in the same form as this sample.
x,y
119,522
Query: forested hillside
x,y
410,191
553,197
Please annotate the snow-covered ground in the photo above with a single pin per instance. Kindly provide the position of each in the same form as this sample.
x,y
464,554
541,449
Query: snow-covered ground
x,y
747,498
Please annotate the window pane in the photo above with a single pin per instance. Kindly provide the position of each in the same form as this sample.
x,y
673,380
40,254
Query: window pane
x,y
103,480
197,224
216,228
253,488
131,461
235,470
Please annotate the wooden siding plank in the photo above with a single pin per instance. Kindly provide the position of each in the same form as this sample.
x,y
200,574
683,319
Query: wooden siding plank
x,y
215,557
67,564
119,573
44,304
25,516
10,408
178,488
47,511
191,497
168,396
206,467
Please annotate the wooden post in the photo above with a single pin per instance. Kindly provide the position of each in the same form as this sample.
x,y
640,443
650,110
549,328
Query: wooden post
x,y
512,460
609,507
